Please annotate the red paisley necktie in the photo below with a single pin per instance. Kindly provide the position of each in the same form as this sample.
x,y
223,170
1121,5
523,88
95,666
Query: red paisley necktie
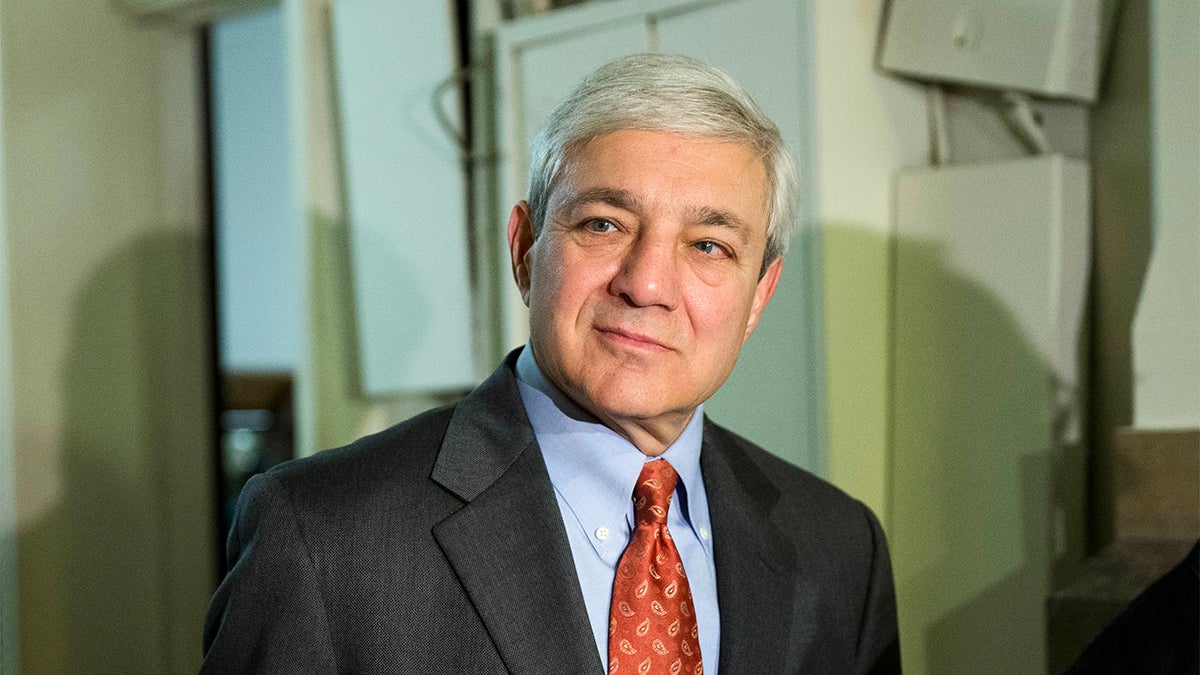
x,y
652,624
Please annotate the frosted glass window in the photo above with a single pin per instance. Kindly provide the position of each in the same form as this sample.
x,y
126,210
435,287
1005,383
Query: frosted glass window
x,y
406,200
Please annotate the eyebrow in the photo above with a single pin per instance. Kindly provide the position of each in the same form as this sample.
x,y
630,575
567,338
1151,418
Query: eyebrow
x,y
615,197
711,217
627,201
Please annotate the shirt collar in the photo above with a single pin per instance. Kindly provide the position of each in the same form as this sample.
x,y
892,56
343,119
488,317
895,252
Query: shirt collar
x,y
594,469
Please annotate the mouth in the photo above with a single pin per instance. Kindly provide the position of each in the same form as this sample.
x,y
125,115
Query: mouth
x,y
628,338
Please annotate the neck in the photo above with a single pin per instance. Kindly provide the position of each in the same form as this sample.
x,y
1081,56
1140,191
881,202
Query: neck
x,y
651,437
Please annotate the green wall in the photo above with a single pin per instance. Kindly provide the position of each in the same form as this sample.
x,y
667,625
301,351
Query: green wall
x,y
109,327
857,302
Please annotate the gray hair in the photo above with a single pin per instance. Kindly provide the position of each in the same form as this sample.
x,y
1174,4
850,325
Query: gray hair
x,y
671,93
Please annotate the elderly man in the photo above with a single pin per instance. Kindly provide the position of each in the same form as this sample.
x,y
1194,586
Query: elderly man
x,y
578,513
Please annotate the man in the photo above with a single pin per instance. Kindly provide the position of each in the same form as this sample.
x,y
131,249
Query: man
x,y
577,513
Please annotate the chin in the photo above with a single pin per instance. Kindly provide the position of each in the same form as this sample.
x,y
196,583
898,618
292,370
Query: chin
x,y
633,403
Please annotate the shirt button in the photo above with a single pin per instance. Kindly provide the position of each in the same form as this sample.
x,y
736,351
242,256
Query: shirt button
x,y
602,533
704,533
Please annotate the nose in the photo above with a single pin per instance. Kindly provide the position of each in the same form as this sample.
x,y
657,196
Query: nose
x,y
648,274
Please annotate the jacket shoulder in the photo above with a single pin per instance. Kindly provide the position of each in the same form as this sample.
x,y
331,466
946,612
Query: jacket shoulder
x,y
797,488
399,455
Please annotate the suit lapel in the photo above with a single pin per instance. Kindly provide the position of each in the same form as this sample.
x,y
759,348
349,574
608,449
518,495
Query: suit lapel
x,y
754,561
507,543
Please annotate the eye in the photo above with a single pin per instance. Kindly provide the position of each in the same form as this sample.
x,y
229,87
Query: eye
x,y
599,225
711,248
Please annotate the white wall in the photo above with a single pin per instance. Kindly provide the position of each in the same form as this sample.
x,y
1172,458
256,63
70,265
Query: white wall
x,y
1166,331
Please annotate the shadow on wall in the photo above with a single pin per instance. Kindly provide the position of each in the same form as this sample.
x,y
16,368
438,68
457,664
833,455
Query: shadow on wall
x,y
975,636
975,473
116,577
971,441
344,411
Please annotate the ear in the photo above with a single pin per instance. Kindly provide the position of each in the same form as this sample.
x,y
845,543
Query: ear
x,y
520,241
762,295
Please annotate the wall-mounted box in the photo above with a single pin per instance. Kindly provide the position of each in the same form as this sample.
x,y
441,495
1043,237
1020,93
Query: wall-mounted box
x,y
990,270
1052,48
1018,229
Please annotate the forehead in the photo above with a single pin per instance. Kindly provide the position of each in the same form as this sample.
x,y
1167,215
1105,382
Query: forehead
x,y
667,170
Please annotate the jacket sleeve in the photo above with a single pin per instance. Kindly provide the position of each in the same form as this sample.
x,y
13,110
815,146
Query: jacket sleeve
x,y
268,614
879,637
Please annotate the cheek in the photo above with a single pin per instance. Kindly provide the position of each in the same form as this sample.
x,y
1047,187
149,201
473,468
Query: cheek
x,y
719,318
545,271
557,288
569,273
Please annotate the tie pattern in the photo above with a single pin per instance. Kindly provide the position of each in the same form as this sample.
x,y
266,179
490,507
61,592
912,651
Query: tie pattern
x,y
652,625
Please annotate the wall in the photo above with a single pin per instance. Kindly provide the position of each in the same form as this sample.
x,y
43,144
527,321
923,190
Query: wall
x,y
8,517
1166,330
110,378
868,125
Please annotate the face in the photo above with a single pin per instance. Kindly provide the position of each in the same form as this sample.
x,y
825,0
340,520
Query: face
x,y
644,281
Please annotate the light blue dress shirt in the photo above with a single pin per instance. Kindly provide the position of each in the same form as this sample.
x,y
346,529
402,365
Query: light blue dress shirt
x,y
593,471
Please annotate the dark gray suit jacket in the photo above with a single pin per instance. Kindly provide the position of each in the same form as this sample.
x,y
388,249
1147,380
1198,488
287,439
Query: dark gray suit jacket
x,y
437,547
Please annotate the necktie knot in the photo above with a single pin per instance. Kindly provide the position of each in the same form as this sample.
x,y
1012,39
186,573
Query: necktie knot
x,y
652,494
